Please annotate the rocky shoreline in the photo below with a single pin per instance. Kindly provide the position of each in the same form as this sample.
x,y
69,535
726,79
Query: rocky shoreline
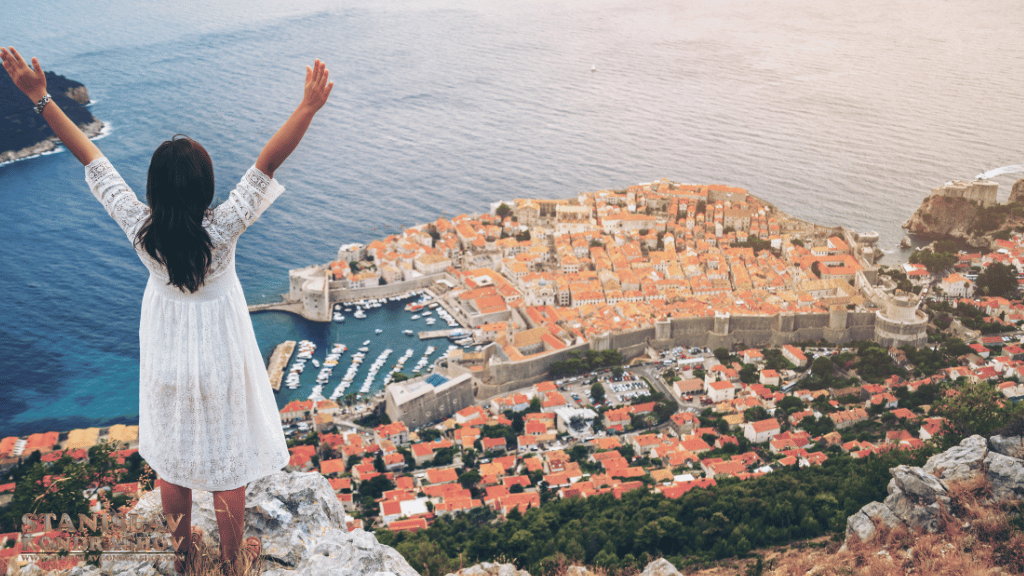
x,y
92,130
24,134
942,217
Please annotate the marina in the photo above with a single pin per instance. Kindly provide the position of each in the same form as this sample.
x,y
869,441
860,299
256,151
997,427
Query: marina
x,y
352,361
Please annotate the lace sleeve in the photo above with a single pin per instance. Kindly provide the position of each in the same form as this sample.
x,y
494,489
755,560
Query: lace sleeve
x,y
247,202
117,198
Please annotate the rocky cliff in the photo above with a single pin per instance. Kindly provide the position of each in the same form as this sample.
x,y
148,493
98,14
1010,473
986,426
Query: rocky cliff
x,y
919,498
941,217
1017,192
24,133
299,520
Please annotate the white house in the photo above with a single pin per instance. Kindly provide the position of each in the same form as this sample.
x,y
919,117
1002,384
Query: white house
x,y
761,431
720,391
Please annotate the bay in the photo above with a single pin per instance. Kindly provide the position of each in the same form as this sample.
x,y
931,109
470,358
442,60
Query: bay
x,y
839,114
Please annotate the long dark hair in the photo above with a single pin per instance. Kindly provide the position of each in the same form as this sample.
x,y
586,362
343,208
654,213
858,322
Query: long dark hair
x,y
179,190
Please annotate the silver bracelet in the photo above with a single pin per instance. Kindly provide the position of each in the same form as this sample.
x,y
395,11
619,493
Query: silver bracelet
x,y
42,104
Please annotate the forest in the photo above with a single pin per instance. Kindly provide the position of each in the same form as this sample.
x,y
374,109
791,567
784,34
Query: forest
x,y
726,520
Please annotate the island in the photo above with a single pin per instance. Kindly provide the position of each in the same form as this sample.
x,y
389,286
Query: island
x,y
26,133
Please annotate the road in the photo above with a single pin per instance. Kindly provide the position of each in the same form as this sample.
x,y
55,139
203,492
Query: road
x,y
653,374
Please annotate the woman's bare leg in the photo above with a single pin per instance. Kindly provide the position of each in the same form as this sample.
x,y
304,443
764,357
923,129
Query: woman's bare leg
x,y
177,501
230,508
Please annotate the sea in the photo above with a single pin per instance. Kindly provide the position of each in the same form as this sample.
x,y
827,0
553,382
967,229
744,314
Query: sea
x,y
840,113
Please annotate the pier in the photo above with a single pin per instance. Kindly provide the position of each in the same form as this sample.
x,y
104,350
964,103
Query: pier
x,y
278,360
293,306
428,334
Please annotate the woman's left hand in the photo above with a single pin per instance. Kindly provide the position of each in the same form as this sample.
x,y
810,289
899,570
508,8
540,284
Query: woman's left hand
x,y
31,81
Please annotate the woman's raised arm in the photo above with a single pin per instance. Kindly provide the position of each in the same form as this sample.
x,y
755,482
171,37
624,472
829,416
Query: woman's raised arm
x,y
32,81
284,141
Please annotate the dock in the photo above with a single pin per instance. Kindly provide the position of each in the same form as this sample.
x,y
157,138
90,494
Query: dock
x,y
278,360
426,335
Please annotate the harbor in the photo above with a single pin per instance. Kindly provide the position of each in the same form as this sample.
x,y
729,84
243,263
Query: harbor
x,y
367,345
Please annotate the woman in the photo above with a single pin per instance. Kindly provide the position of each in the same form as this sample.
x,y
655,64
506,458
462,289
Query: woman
x,y
207,416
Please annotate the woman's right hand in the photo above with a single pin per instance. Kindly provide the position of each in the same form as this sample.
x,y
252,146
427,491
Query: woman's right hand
x,y
31,81
317,89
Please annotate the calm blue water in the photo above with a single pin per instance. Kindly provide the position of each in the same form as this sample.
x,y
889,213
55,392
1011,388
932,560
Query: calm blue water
x,y
840,114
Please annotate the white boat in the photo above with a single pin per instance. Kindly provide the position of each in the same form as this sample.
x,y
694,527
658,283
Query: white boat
x,y
364,349
315,363
378,331
415,317
407,332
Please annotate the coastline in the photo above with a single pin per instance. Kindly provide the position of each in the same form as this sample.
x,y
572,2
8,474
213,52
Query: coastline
x,y
93,130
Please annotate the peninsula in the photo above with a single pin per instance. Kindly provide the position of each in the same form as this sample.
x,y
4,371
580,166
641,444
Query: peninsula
x,y
648,267
25,133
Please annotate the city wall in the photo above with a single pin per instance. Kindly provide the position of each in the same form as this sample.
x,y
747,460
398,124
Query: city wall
x,y
722,331
503,377
725,331
339,294
311,294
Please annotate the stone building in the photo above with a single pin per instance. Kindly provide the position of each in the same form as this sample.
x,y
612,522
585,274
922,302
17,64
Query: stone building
x,y
900,322
424,400
981,191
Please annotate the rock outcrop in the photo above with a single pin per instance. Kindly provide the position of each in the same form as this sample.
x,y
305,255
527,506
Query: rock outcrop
x,y
1017,192
918,497
659,567
300,522
942,217
24,133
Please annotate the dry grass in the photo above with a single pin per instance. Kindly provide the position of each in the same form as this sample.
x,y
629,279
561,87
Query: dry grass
x,y
212,565
981,538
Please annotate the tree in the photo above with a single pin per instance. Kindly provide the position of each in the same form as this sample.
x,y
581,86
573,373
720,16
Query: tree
x,y
469,478
790,404
517,423
534,404
973,408
749,374
816,268
998,279
956,347
597,393
399,377
755,414
935,262
444,456
375,487
722,354
503,211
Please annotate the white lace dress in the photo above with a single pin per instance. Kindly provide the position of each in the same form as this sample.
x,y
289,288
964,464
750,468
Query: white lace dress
x,y
207,416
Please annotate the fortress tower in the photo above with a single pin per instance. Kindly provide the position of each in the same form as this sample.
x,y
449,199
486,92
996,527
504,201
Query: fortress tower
x,y
901,322
981,191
